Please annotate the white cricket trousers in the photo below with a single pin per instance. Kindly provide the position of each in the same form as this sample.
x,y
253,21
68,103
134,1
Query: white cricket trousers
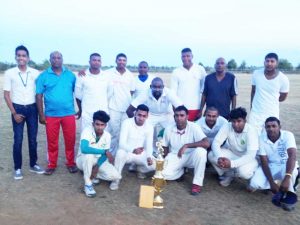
x,y
123,157
107,171
260,181
245,171
116,119
195,158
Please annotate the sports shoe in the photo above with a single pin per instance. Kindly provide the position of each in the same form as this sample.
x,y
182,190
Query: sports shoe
x,y
49,171
226,181
141,175
89,191
132,168
95,181
37,169
297,181
250,189
196,189
114,185
18,175
72,169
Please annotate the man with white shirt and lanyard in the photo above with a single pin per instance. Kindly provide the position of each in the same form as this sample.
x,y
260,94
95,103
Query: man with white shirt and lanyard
x,y
187,82
211,123
92,91
93,157
19,95
269,88
185,145
136,145
122,86
278,156
237,159
143,80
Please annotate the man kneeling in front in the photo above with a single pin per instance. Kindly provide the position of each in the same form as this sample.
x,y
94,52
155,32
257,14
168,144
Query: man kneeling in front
x,y
93,157
185,145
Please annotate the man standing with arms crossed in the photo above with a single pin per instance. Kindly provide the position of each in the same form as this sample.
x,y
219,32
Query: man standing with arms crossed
x,y
187,83
56,86
269,87
122,86
19,95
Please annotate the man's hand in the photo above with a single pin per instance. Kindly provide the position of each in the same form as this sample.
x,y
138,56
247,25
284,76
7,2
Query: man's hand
x,y
149,161
78,115
42,119
181,151
285,184
224,163
81,73
138,151
18,117
110,157
95,170
274,187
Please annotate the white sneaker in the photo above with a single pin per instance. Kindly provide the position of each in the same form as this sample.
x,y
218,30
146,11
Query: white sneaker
x,y
89,191
141,175
114,185
37,169
18,175
226,181
96,181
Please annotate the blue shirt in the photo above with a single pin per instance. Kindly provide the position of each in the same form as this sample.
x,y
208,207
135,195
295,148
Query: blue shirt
x,y
58,92
219,93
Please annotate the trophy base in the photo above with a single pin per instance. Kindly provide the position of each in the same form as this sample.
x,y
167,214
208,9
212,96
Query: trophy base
x,y
158,202
158,206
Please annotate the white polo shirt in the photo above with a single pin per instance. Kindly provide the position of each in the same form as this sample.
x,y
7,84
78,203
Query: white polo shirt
x,y
90,135
121,86
93,91
142,87
277,152
187,85
267,92
211,132
161,106
244,144
133,136
175,139
21,85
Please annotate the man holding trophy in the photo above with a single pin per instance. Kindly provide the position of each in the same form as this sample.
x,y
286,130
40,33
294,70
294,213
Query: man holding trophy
x,y
185,145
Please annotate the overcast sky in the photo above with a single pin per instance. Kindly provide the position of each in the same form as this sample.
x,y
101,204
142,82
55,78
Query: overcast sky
x,y
154,30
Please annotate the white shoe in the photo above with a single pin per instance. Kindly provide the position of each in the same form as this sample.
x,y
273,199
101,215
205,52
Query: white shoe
x,y
18,175
37,169
89,191
132,168
96,181
141,175
226,181
114,185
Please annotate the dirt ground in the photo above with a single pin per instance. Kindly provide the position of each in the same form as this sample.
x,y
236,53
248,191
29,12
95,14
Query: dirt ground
x,y
59,200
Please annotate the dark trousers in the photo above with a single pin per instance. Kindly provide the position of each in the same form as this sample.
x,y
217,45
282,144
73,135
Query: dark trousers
x,y
31,118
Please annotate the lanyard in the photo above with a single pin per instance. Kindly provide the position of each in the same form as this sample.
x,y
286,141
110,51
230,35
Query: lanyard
x,y
24,84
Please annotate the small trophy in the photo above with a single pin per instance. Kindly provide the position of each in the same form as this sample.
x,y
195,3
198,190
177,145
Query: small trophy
x,y
158,180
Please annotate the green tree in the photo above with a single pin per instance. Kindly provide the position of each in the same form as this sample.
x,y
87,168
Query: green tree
x,y
232,65
284,64
298,67
243,66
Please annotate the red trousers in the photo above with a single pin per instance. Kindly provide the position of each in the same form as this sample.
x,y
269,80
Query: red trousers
x,y
193,114
68,125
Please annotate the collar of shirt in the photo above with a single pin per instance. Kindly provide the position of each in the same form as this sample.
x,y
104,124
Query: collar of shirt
x,y
118,73
267,140
180,132
162,95
143,78
49,70
28,70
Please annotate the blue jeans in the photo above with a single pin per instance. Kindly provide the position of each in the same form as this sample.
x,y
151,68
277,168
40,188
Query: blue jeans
x,y
31,118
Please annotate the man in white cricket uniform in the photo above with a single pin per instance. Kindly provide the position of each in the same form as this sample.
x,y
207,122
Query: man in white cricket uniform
x,y
211,123
278,155
160,101
136,139
269,87
122,87
93,157
143,80
92,91
187,82
238,158
185,145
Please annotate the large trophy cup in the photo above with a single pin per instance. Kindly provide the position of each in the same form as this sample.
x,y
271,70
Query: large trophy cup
x,y
158,180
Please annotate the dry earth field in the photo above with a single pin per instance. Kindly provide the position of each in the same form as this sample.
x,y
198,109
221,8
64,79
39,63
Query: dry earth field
x,y
58,199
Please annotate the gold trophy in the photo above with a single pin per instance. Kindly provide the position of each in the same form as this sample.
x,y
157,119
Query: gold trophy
x,y
158,180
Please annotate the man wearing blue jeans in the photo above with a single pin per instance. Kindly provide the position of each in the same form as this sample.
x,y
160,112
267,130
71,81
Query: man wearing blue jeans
x,y
19,95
